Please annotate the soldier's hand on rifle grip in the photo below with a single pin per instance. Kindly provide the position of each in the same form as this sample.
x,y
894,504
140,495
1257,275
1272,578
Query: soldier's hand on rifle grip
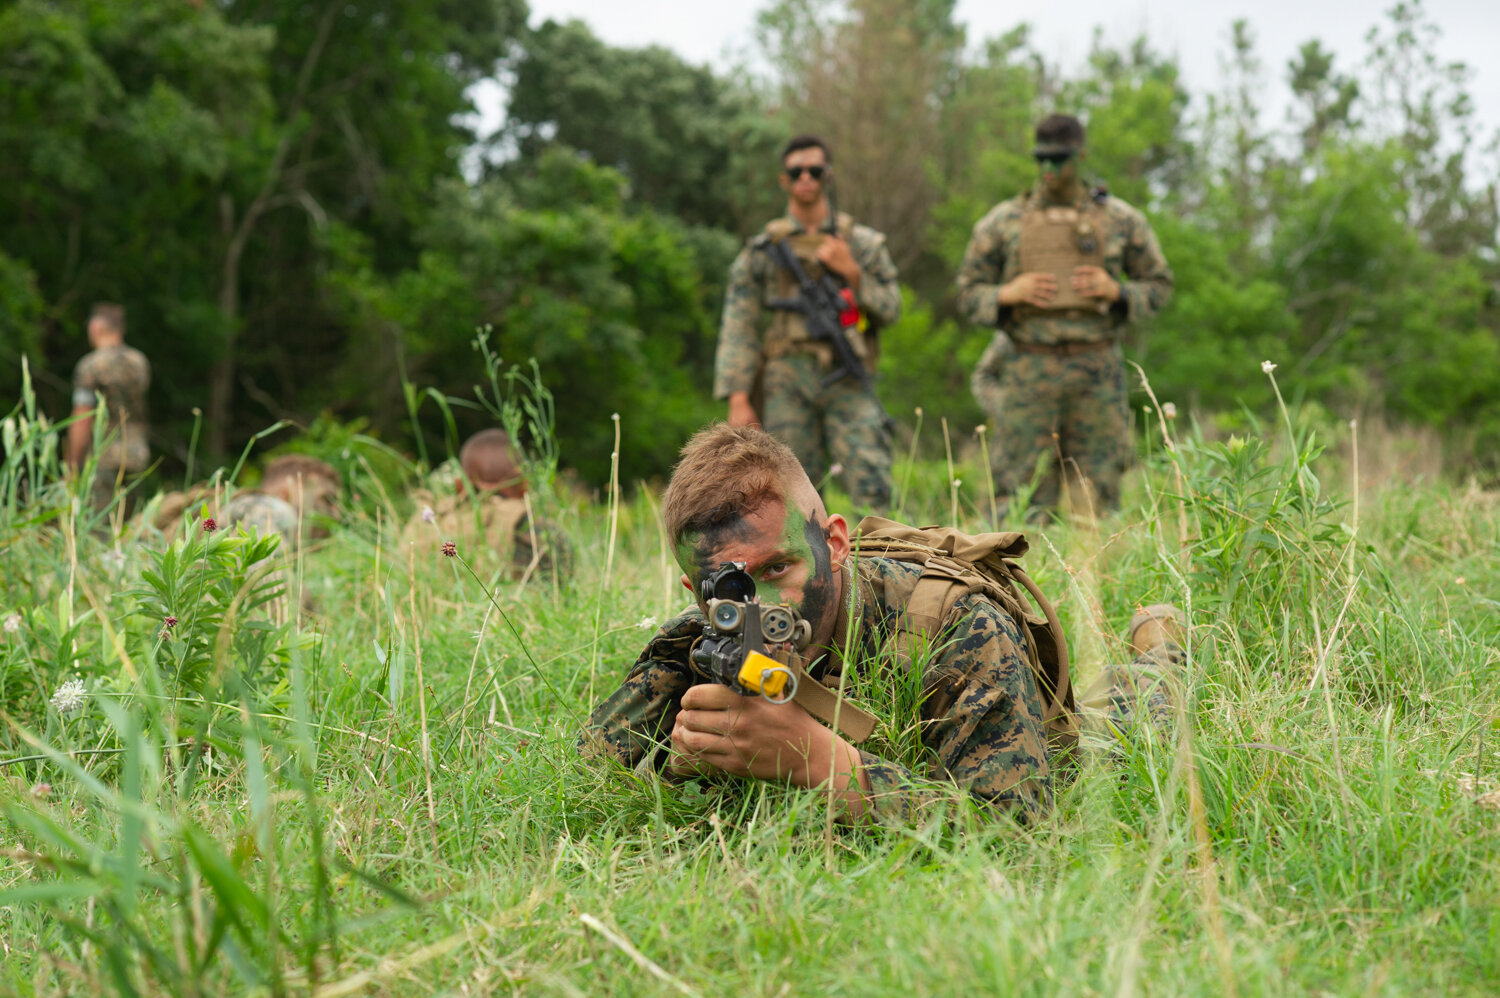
x,y
1035,289
834,255
1095,282
753,737
741,412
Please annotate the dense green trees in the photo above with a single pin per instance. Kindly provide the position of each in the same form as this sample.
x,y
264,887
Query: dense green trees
x,y
274,190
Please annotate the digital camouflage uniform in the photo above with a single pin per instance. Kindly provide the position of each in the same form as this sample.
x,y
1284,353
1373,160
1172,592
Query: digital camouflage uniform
x,y
495,527
759,344
1062,391
122,376
981,711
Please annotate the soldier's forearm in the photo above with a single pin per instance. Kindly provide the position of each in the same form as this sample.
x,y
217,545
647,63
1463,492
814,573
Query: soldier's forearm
x,y
881,301
80,435
979,302
737,361
1143,298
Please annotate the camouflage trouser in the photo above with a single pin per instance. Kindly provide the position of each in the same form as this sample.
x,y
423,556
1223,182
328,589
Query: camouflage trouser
x,y
844,418
1063,409
1145,691
102,489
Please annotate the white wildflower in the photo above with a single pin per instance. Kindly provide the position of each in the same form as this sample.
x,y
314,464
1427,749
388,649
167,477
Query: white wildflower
x,y
957,482
70,696
1267,366
646,623
428,516
835,471
1169,410
13,623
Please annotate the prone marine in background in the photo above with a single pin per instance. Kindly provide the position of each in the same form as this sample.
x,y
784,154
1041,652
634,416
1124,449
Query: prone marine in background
x,y
297,497
487,516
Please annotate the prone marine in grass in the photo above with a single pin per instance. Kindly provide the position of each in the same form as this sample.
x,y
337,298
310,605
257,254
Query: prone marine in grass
x,y
886,607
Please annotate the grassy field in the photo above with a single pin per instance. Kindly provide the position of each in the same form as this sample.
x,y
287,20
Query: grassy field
x,y
369,785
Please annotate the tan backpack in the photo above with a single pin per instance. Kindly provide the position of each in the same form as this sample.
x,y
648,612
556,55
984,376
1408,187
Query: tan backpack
x,y
955,564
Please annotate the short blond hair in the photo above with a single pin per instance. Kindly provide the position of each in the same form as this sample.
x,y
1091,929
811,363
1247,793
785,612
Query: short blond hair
x,y
727,472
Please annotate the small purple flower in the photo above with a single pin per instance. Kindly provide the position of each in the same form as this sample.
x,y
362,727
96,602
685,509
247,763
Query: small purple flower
x,y
428,516
210,525
449,549
169,621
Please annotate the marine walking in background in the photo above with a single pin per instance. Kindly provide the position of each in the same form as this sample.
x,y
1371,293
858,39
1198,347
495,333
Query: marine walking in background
x,y
1060,272
121,376
797,353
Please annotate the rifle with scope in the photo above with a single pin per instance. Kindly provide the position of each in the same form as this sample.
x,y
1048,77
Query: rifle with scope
x,y
757,648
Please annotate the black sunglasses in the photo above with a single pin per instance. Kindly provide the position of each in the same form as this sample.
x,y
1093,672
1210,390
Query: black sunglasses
x,y
815,172
1051,158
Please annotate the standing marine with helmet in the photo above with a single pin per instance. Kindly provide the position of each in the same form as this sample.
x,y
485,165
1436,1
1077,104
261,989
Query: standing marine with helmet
x,y
1059,272
777,373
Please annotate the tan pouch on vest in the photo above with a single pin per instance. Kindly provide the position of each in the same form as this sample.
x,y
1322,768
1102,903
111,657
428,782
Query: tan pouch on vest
x,y
1054,240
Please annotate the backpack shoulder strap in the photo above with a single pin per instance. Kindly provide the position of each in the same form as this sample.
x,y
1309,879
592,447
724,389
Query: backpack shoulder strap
x,y
955,564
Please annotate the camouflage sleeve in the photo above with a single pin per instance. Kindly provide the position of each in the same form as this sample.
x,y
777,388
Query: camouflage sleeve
x,y
990,741
1150,279
982,273
738,358
84,383
633,722
879,289
986,380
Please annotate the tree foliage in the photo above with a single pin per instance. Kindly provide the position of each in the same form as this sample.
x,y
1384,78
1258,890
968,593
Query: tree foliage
x,y
275,192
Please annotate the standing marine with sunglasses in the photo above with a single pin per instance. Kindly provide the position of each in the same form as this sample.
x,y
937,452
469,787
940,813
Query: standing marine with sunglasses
x,y
772,371
1059,272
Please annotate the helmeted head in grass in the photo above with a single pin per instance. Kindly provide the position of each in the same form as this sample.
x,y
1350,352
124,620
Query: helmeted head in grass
x,y
739,494
489,463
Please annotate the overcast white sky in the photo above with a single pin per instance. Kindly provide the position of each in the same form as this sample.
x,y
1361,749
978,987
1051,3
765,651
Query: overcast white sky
x,y
1196,31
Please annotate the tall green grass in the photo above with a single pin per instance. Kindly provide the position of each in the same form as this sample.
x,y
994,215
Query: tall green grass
x,y
350,769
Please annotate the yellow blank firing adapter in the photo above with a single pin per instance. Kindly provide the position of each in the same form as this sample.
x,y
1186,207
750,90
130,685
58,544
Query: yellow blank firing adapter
x,y
764,675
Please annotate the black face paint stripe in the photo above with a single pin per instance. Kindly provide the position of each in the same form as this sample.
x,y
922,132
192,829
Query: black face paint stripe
x,y
713,539
817,593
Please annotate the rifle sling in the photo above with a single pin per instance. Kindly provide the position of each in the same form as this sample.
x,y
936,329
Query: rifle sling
x,y
824,704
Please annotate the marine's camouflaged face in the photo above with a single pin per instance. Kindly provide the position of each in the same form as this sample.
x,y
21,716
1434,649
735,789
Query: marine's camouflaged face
x,y
1131,255
784,550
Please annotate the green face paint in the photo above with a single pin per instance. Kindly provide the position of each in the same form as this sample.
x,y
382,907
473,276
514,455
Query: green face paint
x,y
790,561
